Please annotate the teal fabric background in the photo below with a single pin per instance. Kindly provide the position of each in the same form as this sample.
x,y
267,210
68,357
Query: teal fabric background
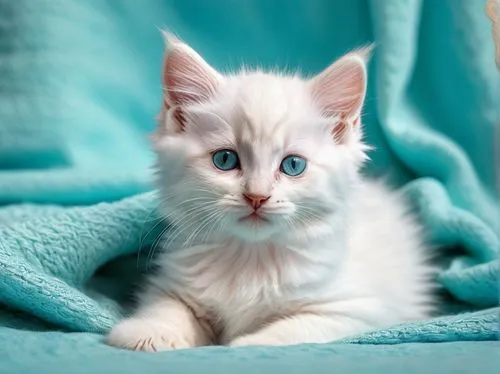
x,y
79,91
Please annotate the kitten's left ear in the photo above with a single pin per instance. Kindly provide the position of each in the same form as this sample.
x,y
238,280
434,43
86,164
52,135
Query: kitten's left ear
x,y
340,90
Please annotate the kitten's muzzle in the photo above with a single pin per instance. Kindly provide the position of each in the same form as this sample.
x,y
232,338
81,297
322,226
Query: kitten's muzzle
x,y
254,200
254,218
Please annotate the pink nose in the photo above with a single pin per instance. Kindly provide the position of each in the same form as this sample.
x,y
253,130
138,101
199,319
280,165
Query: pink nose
x,y
255,201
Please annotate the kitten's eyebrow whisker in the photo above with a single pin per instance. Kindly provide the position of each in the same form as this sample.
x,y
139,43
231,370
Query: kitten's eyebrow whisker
x,y
204,111
182,91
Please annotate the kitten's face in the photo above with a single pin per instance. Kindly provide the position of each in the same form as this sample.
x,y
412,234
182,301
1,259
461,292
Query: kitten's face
x,y
256,157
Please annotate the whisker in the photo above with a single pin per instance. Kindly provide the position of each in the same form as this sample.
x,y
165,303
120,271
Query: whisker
x,y
204,223
143,238
188,218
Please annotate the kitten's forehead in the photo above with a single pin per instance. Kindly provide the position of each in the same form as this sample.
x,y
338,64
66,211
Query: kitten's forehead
x,y
268,105
258,130
261,115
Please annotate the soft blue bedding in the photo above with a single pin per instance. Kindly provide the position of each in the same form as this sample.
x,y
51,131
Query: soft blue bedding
x,y
53,353
79,90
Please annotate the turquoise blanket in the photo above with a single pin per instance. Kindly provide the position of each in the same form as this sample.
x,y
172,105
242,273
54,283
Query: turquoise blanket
x,y
79,90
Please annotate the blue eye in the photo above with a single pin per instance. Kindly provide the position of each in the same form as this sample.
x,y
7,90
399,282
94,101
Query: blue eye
x,y
293,165
225,159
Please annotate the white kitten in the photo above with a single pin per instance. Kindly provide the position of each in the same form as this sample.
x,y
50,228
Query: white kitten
x,y
277,239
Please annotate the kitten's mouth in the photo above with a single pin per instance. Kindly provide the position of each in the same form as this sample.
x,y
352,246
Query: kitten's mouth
x,y
254,218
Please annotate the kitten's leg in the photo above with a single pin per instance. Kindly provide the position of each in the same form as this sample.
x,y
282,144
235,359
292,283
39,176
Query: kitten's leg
x,y
303,328
163,323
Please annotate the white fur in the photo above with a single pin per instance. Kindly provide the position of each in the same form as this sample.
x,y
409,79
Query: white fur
x,y
340,255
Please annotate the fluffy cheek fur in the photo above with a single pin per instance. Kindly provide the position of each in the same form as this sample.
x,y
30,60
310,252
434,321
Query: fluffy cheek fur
x,y
189,184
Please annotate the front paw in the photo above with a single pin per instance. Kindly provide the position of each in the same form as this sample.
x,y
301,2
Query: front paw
x,y
148,335
255,339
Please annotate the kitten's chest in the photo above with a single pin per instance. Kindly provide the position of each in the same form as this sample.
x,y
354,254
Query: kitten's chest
x,y
241,288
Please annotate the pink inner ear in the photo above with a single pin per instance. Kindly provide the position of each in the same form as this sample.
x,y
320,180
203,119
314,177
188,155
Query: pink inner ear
x,y
341,129
340,89
179,118
187,77
339,132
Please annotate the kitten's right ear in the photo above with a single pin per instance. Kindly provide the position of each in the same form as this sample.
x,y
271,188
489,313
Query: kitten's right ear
x,y
340,91
187,78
